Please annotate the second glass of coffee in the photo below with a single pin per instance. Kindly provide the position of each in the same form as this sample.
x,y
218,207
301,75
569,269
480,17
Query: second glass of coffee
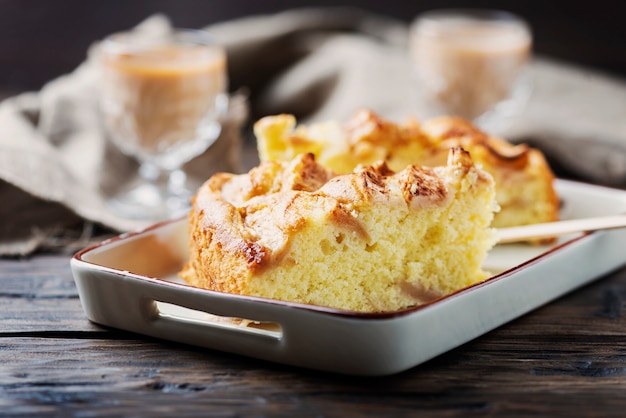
x,y
472,64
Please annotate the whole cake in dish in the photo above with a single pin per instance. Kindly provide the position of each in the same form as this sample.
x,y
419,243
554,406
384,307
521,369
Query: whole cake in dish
x,y
524,180
372,240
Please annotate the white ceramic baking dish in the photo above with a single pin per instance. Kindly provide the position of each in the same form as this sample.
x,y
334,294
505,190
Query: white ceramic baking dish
x,y
129,282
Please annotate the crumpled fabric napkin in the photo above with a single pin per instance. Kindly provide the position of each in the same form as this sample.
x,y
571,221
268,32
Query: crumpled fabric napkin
x,y
319,64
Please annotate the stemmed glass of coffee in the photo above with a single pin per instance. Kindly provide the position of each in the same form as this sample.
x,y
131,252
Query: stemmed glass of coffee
x,y
162,99
471,63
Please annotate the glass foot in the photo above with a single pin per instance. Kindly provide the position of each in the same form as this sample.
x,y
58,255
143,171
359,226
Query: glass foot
x,y
147,202
155,199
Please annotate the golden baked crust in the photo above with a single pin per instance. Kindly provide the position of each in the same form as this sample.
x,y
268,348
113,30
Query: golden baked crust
x,y
524,181
371,240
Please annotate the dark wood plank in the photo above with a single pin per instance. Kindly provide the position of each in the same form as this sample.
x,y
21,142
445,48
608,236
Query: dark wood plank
x,y
38,295
46,276
89,374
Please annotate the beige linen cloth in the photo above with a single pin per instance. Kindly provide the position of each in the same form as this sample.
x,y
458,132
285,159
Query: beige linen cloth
x,y
57,168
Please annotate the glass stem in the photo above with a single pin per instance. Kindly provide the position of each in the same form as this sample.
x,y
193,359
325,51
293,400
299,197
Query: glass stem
x,y
168,182
160,194
156,176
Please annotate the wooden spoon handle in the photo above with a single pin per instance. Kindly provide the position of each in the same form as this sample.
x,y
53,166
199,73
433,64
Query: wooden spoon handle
x,y
555,229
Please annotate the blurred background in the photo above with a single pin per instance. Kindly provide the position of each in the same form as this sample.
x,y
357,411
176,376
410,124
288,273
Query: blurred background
x,y
582,119
43,39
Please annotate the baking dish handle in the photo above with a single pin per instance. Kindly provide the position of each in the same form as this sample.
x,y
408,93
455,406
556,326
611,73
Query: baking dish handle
x,y
190,316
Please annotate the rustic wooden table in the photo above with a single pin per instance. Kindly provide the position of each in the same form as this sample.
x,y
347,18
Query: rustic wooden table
x,y
567,358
